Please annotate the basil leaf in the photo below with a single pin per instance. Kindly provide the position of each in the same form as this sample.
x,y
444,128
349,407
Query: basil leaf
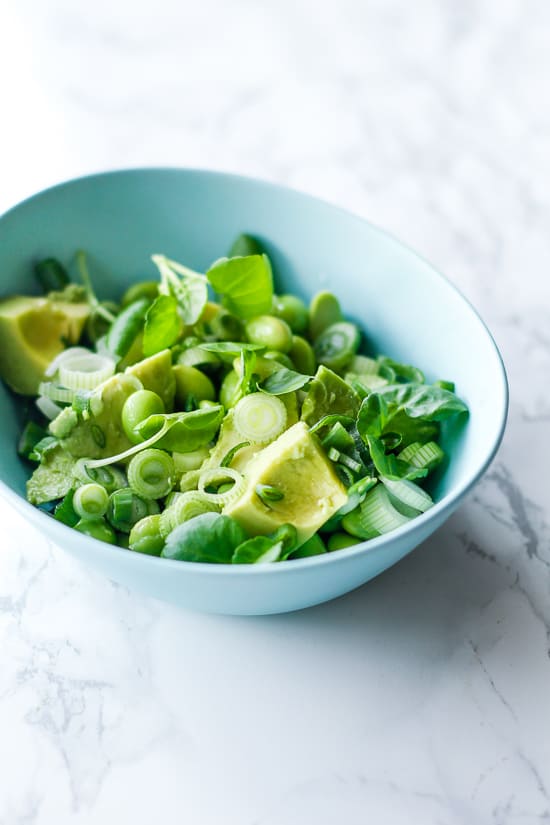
x,y
388,465
426,401
186,430
284,380
189,288
210,538
245,245
163,325
393,370
245,283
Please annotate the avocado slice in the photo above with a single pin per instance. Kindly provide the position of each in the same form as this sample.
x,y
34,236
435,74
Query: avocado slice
x,y
328,394
32,332
155,373
53,478
100,433
296,465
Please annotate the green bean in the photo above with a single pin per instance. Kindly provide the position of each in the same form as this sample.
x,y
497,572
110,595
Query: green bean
x,y
145,536
245,245
97,529
302,355
192,382
51,275
126,327
137,407
292,310
269,331
324,310
143,289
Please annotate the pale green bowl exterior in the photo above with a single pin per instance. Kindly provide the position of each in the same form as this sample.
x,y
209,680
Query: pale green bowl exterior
x,y
406,308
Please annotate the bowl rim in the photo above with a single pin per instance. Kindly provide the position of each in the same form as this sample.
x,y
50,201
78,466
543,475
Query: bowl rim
x,y
449,500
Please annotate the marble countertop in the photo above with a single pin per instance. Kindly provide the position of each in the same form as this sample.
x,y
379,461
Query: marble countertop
x,y
422,697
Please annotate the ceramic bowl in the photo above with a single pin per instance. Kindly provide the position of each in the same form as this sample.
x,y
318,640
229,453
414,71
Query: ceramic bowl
x,y
406,308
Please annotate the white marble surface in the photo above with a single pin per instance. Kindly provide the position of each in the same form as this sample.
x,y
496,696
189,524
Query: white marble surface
x,y
424,696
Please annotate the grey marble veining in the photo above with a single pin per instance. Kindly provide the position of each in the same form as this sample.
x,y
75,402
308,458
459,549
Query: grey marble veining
x,y
422,697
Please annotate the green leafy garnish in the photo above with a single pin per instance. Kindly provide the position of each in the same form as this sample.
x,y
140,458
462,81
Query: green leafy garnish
x,y
30,437
42,447
163,325
188,287
284,380
126,327
246,284
65,511
209,537
51,275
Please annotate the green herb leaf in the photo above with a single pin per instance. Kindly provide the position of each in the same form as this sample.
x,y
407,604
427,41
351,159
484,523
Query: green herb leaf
x,y
163,325
426,401
210,538
51,275
245,245
245,283
65,511
189,288
284,380
393,370
31,435
186,431
259,550
388,465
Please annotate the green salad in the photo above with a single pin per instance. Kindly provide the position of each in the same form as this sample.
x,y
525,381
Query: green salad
x,y
207,418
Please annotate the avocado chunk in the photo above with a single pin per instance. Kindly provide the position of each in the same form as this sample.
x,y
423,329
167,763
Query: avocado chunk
x,y
32,332
53,478
228,438
296,465
328,394
99,433
155,373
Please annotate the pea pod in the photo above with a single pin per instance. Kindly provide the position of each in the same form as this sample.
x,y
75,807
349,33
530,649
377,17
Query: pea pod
x,y
126,327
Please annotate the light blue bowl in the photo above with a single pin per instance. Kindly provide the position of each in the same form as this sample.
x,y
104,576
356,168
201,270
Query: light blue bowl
x,y
406,308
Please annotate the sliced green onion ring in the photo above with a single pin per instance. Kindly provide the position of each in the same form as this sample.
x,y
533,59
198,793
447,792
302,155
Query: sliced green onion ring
x,y
151,473
67,354
56,392
90,501
217,476
260,418
85,372
191,504
48,407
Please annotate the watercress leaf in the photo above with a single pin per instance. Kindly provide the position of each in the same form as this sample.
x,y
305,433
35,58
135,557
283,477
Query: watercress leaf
x,y
372,416
259,550
245,245
388,465
65,511
186,431
51,274
163,325
284,380
426,401
230,348
209,537
31,435
330,420
245,283
189,288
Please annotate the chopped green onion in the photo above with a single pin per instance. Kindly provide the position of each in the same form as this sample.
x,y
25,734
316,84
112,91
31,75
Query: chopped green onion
x,y
217,476
378,515
31,435
337,345
191,504
56,392
125,509
190,480
407,494
424,456
151,473
333,454
90,501
268,493
184,462
260,418
230,454
350,463
48,407
112,478
338,437
85,372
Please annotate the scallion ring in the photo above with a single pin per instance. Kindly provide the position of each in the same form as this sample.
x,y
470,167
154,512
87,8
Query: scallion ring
x,y
85,372
151,473
90,501
260,418
215,478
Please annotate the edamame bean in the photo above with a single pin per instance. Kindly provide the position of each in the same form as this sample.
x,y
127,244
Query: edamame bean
x,y
270,332
145,536
137,407
324,310
228,389
97,529
302,355
191,382
279,358
292,310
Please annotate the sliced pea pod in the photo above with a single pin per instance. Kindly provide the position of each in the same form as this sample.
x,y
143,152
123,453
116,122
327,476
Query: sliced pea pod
x,y
126,327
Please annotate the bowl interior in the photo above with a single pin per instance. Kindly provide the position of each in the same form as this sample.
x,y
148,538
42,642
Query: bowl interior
x,y
405,308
